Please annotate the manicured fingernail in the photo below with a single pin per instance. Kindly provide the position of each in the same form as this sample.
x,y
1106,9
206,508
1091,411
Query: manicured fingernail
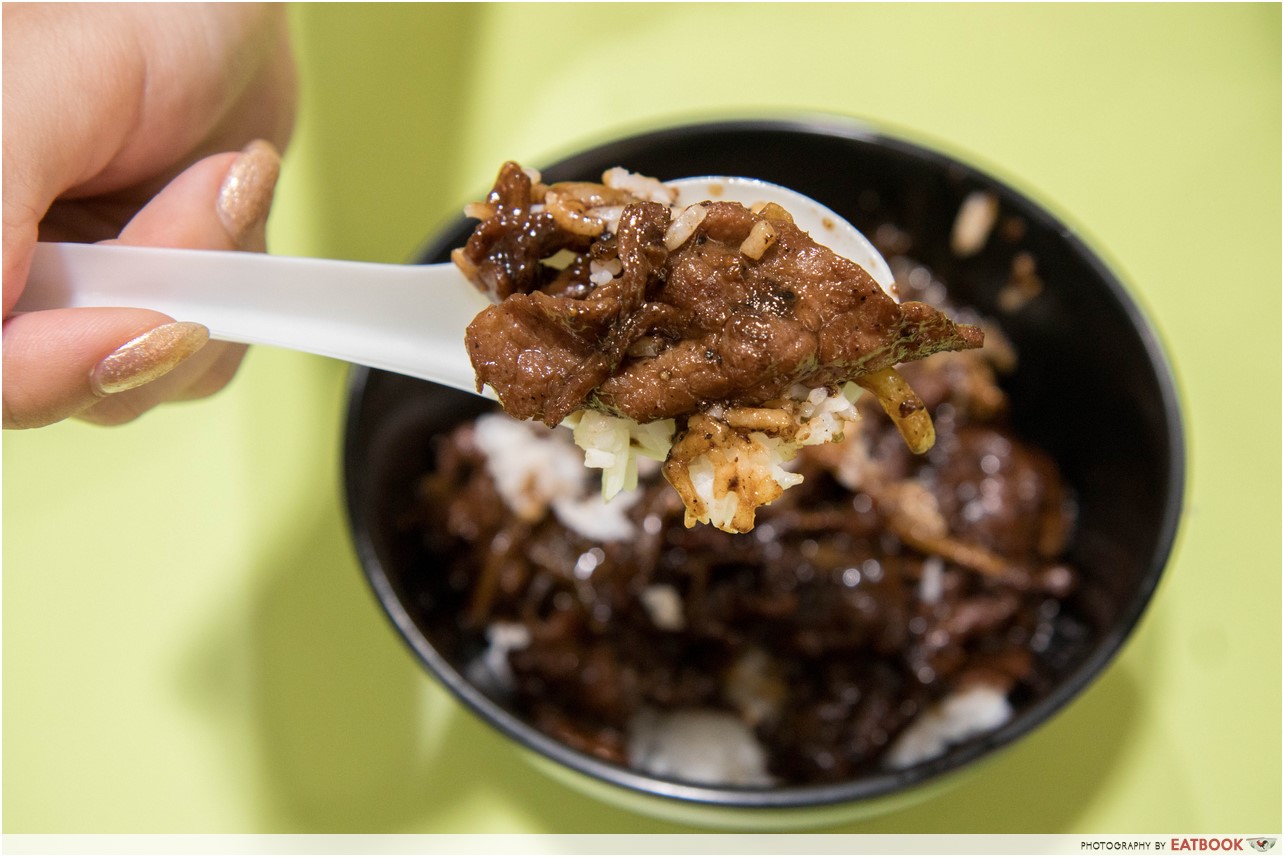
x,y
246,195
146,358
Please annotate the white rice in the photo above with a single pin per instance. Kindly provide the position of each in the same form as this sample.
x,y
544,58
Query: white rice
x,y
824,415
931,586
535,469
697,746
684,226
490,670
959,716
530,468
640,186
974,222
609,215
614,445
663,605
758,461
778,453
601,273
821,418
761,237
596,518
719,510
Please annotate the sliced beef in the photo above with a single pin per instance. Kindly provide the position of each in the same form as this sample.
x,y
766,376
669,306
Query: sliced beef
x,y
677,330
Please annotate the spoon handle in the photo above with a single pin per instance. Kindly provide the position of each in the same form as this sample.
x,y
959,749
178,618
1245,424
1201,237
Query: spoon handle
x,y
408,319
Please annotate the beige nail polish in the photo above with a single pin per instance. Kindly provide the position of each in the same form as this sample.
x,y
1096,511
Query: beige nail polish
x,y
246,195
147,357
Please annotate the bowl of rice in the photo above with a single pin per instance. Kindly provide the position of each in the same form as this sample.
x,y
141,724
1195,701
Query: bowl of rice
x,y
893,619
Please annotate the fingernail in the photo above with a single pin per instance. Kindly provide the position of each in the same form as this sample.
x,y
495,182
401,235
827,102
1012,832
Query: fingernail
x,y
146,358
246,195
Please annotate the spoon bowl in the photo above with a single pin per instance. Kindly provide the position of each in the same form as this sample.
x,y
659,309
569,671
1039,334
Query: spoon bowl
x,y
408,319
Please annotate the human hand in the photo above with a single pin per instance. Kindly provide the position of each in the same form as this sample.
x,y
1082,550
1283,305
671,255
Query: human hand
x,y
124,123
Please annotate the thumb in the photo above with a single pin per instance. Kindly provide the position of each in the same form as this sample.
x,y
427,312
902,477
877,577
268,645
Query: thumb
x,y
109,365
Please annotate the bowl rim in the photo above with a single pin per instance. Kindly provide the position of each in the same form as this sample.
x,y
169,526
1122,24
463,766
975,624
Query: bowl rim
x,y
882,784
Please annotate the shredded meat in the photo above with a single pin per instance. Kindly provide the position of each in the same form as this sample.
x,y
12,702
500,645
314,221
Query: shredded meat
x,y
829,630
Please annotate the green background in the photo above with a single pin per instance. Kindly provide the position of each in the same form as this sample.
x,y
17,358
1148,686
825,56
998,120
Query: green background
x,y
188,643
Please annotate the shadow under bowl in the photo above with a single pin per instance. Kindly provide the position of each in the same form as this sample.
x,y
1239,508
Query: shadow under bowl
x,y
1092,388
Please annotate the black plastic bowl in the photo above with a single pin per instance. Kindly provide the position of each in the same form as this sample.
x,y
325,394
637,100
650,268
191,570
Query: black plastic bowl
x,y
1092,387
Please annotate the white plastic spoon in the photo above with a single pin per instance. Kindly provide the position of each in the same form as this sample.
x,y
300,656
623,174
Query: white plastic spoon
x,y
408,319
